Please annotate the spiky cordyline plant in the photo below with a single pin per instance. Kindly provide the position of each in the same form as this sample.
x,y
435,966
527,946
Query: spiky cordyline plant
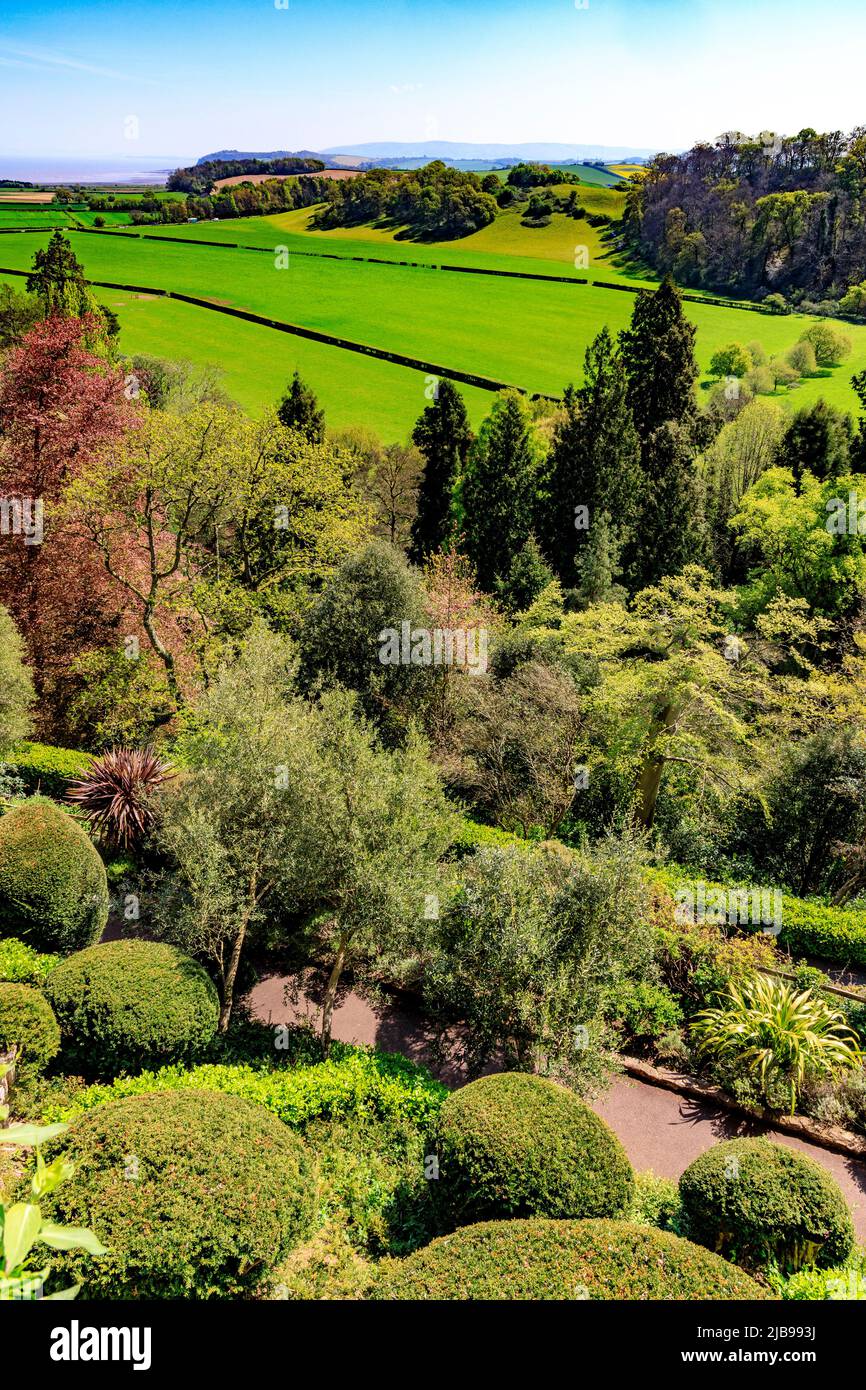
x,y
777,1031
114,794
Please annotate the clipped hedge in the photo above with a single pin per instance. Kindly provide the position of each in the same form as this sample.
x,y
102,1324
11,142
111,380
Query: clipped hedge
x,y
513,1145
46,769
808,928
544,1259
20,964
125,1004
758,1202
53,888
363,1084
195,1194
27,1023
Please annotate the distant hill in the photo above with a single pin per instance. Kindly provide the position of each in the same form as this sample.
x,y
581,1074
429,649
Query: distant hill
x,y
225,155
454,150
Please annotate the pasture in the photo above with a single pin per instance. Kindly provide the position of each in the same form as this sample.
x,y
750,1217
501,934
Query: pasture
x,y
528,333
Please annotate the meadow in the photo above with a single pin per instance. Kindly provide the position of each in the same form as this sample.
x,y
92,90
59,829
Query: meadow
x,y
526,333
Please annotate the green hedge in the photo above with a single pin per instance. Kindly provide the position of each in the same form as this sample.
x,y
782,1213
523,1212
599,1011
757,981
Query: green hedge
x,y
21,964
46,769
543,1259
53,887
472,835
808,928
759,1203
194,1194
513,1145
124,1005
361,1084
27,1023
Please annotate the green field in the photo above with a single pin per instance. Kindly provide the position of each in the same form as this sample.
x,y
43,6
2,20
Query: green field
x,y
527,333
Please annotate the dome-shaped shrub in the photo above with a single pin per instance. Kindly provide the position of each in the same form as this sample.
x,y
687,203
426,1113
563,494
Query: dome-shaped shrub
x,y
27,1023
542,1259
195,1194
756,1201
127,1005
53,888
517,1145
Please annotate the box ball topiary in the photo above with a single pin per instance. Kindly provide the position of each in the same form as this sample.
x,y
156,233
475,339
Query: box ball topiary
x,y
514,1145
542,1259
195,1194
756,1201
28,1025
53,888
126,1005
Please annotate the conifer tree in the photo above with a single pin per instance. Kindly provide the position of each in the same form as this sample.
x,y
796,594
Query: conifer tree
x,y
498,489
299,410
443,436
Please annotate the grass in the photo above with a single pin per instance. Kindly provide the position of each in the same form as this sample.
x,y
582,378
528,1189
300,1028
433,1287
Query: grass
x,y
527,333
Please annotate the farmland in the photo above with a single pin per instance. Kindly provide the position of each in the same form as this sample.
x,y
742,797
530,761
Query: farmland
x,y
347,282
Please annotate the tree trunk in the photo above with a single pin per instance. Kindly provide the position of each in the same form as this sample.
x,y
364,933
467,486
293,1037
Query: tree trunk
x,y
650,779
331,991
229,981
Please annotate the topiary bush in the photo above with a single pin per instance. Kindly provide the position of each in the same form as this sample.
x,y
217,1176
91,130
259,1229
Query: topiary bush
x,y
124,1005
194,1194
27,1023
517,1145
53,889
758,1202
543,1259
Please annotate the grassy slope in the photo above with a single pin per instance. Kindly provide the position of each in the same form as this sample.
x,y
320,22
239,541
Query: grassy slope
x,y
258,363
523,332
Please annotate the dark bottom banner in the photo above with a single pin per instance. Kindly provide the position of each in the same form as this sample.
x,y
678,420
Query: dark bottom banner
x,y
55,1343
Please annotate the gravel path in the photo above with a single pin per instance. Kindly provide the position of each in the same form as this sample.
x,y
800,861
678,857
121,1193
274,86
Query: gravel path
x,y
659,1129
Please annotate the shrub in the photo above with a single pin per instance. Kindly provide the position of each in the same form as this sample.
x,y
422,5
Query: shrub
x,y
195,1195
113,794
758,1202
854,301
43,768
125,1004
647,1011
21,965
16,684
518,1145
801,359
537,1259
360,1083
53,889
732,360
27,1023
778,1033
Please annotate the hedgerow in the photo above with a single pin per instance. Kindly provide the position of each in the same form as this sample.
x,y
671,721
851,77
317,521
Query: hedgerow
x,y
544,1259
362,1084
46,769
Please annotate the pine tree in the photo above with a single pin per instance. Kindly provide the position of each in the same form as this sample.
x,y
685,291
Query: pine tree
x,y
659,359
598,563
498,489
594,462
443,436
526,578
672,532
299,410
57,280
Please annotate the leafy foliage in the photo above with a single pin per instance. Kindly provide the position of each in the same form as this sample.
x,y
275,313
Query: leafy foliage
x,y
28,1025
53,887
114,794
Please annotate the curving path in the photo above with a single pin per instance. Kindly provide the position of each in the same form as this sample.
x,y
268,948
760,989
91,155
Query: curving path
x,y
659,1129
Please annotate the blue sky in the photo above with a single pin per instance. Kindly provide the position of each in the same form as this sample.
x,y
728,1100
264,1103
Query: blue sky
x,y
198,75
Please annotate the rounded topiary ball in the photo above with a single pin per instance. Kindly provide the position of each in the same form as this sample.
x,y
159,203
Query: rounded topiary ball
x,y
53,888
195,1194
27,1023
127,1005
757,1201
543,1259
517,1145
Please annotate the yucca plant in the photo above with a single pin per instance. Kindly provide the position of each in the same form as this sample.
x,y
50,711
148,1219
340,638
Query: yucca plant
x,y
778,1032
114,794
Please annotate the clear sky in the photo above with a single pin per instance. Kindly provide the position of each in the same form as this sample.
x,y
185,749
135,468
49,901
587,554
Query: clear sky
x,y
200,75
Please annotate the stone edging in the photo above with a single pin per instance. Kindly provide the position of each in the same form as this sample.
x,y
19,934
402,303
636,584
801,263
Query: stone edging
x,y
840,1141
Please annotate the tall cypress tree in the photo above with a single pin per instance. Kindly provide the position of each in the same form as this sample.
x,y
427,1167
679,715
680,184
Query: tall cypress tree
x,y
594,461
442,435
498,489
299,410
672,533
658,352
